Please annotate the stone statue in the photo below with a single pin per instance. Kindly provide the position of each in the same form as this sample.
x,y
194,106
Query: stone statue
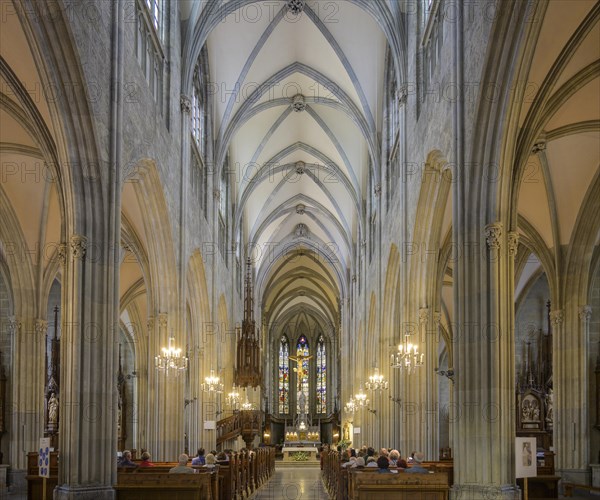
x,y
535,411
549,403
53,409
302,403
526,411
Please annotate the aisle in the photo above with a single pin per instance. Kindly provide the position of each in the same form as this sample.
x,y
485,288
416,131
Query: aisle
x,y
294,484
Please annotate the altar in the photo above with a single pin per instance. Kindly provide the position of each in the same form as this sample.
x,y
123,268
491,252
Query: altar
x,y
299,453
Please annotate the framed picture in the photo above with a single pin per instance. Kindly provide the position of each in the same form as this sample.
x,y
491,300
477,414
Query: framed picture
x,y
525,457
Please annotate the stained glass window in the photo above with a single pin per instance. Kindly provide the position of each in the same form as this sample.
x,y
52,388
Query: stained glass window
x,y
302,350
284,376
321,376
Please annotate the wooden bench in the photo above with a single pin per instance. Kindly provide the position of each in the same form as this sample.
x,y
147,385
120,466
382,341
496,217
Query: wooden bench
x,y
399,486
581,490
166,486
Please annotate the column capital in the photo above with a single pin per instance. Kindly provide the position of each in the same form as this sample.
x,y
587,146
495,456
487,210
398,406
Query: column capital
x,y
513,243
41,327
78,246
402,95
493,234
437,318
14,324
557,317
377,190
423,315
62,254
186,103
585,313
163,320
150,323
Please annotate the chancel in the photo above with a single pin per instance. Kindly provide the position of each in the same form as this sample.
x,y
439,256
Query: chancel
x,y
346,243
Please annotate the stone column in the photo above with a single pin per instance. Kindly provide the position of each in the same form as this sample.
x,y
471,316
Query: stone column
x,y
28,373
87,414
484,375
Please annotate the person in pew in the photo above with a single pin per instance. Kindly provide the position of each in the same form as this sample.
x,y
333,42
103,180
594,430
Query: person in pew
x,y
146,460
182,468
359,464
401,464
350,463
222,457
199,459
211,461
384,465
371,462
394,457
126,460
416,466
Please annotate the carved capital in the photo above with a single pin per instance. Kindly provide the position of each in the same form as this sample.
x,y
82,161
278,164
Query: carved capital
x,y
217,194
150,323
557,317
41,327
493,234
354,278
377,190
78,246
163,320
513,243
437,318
186,103
62,254
402,95
14,325
423,316
585,313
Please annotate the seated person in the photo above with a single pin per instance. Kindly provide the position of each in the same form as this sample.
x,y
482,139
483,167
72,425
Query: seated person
x,y
146,460
222,457
371,462
401,464
211,461
349,463
182,468
394,457
384,464
359,464
416,467
126,460
199,459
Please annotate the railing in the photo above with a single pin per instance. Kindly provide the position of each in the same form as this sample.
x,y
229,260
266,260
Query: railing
x,y
245,423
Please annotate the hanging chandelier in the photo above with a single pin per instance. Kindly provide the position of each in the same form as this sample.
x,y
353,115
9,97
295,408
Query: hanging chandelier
x,y
212,383
247,406
377,382
170,360
233,398
360,399
407,357
350,406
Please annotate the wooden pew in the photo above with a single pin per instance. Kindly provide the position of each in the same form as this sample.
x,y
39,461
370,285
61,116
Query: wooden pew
x,y
165,486
400,486
35,482
580,490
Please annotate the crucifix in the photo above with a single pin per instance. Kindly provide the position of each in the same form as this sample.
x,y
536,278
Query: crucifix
x,y
302,372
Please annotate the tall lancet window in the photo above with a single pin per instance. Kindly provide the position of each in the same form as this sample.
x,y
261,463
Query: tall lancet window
x,y
321,376
284,376
303,350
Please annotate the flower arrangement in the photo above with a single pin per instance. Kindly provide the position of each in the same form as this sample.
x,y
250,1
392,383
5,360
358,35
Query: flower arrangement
x,y
300,456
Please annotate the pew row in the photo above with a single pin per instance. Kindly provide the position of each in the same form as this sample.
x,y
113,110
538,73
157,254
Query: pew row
x,y
400,486
165,486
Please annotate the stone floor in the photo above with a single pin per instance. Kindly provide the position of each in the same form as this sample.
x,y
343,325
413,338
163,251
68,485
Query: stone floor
x,y
293,484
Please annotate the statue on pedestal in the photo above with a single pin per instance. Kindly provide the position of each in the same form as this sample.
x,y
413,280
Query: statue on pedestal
x,y
53,410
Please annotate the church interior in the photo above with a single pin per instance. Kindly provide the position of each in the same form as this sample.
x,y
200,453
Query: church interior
x,y
282,230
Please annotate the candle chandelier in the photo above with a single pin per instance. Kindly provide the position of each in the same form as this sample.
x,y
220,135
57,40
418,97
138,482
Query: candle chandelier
x,y
212,383
170,360
360,399
407,357
377,382
350,406
233,398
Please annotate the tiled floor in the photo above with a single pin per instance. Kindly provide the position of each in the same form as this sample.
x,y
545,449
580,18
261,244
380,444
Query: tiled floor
x,y
294,484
